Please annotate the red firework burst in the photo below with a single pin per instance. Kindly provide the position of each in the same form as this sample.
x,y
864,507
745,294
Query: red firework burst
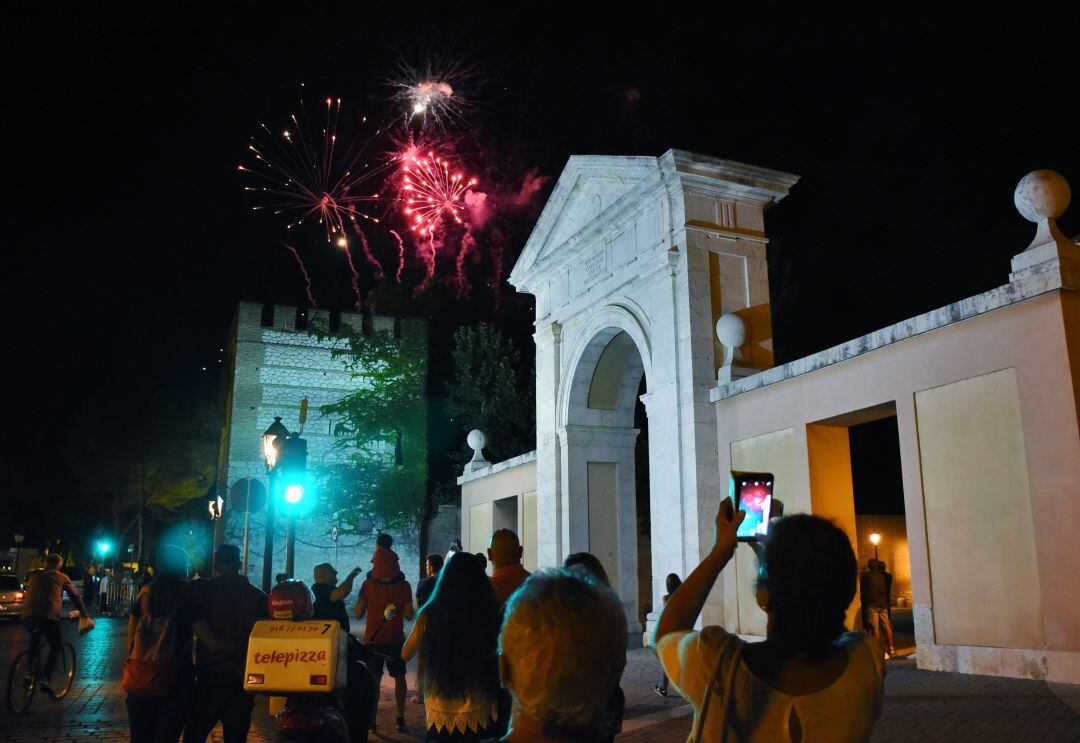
x,y
431,190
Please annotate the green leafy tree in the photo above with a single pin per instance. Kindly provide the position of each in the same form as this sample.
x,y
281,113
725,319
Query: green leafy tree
x,y
491,390
381,429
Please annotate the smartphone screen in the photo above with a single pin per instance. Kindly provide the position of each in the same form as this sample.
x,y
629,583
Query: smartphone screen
x,y
752,492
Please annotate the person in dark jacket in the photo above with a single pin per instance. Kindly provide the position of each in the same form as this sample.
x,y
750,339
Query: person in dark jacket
x,y
875,587
154,716
432,565
230,606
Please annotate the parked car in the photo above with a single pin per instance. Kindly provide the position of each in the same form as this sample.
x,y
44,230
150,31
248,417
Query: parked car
x,y
12,597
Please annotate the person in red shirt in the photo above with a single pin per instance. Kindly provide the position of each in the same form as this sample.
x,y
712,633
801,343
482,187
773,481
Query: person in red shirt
x,y
386,597
505,552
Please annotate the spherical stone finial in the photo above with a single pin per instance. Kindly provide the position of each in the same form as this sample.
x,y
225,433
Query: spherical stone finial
x,y
477,440
1042,194
731,330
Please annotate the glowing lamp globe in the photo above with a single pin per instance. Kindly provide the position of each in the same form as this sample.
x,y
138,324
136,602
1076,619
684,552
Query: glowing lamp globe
x,y
294,494
875,539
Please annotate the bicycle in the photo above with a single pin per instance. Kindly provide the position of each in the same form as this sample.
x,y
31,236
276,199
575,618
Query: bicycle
x,y
27,674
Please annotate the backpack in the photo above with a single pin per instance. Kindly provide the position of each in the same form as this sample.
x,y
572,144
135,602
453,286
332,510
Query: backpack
x,y
151,666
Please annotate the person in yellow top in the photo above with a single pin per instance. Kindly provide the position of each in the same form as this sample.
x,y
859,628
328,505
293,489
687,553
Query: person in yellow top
x,y
809,680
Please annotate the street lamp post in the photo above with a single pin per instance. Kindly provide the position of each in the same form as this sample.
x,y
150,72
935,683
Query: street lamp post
x,y
270,444
875,539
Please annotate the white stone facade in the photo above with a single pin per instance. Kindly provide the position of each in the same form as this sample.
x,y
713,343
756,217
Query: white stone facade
x,y
632,262
272,369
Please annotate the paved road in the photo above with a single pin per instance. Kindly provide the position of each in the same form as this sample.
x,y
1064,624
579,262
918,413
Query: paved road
x,y
919,706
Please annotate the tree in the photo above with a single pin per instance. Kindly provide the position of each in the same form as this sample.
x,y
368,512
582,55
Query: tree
x,y
381,429
144,456
493,391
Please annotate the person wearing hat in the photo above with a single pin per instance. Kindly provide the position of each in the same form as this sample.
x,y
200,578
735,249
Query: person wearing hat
x,y
387,599
330,596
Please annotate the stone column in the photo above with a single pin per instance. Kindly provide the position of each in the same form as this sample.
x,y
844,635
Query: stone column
x,y
549,516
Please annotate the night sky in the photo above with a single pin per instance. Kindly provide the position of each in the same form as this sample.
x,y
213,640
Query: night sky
x,y
128,240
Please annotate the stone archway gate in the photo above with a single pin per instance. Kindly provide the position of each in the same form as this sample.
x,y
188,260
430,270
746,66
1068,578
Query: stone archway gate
x,y
659,249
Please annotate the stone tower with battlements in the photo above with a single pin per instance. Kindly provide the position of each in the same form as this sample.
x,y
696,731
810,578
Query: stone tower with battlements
x,y
272,364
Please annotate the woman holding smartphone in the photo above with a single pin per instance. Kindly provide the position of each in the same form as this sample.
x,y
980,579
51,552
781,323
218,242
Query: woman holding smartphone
x,y
809,679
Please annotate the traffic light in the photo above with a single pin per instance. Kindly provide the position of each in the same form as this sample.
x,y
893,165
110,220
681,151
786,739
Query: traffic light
x,y
292,464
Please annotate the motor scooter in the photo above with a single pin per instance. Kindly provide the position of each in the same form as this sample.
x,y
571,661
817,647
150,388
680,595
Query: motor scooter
x,y
315,666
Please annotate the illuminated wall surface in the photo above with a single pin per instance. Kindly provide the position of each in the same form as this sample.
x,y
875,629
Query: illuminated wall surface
x,y
771,452
984,574
275,367
503,496
990,457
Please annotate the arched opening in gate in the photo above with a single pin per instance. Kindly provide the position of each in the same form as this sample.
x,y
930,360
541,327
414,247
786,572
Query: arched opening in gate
x,y
606,467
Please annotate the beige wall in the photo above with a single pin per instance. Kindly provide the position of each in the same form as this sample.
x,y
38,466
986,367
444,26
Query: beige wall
x,y
771,452
831,494
479,529
479,512
1027,337
983,571
528,530
603,528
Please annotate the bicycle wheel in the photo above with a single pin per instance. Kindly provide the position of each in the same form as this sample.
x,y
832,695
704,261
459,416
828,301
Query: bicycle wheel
x,y
21,684
63,674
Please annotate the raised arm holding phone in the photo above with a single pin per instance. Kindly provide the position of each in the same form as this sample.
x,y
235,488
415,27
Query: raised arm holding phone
x,y
809,678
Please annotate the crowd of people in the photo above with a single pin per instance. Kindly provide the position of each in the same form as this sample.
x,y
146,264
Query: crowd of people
x,y
521,657
112,590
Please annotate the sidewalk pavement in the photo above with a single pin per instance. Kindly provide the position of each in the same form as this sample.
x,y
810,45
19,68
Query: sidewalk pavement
x,y
920,706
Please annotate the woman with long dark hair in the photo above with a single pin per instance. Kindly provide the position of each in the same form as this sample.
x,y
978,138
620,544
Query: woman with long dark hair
x,y
456,636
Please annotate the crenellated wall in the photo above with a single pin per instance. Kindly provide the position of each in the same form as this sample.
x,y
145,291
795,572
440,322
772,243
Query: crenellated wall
x,y
274,366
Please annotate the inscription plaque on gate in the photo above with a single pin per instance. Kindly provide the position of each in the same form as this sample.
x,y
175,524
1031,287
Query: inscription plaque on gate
x,y
593,268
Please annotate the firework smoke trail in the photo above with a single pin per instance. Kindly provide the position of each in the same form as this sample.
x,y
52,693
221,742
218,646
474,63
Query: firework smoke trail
x,y
368,255
468,242
428,253
355,278
303,270
401,254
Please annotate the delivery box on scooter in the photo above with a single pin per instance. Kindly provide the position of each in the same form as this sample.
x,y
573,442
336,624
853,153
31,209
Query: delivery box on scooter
x,y
284,656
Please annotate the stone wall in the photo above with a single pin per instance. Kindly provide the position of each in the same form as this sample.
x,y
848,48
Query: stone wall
x,y
274,368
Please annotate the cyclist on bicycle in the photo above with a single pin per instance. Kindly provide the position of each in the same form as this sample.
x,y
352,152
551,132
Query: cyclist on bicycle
x,y
41,612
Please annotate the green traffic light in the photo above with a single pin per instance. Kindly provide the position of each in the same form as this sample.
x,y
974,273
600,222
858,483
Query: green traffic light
x,y
294,493
104,547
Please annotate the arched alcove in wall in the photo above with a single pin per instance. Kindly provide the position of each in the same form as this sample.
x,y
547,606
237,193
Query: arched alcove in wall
x,y
603,463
